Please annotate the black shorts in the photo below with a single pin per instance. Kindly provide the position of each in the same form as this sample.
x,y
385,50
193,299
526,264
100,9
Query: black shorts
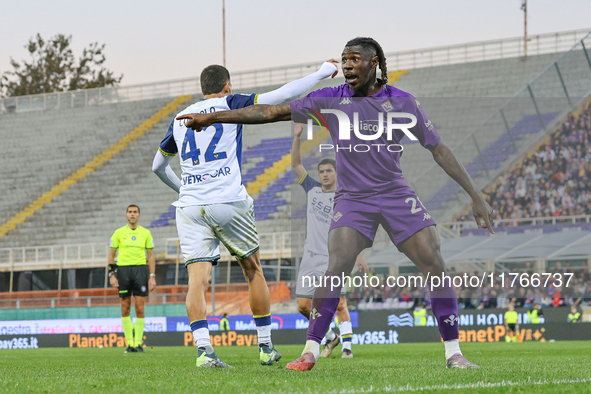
x,y
511,326
133,279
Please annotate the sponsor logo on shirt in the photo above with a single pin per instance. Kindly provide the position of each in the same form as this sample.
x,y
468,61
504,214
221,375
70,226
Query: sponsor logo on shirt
x,y
345,100
191,179
429,125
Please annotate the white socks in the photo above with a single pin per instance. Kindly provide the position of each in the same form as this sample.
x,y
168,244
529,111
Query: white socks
x,y
201,337
346,329
313,347
264,335
452,347
330,335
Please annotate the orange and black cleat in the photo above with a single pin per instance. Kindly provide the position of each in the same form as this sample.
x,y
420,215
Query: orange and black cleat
x,y
304,363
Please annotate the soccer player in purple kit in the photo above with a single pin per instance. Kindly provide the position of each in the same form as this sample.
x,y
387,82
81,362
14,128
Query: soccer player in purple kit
x,y
371,189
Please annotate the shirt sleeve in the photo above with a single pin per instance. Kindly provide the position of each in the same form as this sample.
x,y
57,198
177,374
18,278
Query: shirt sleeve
x,y
309,107
114,241
237,101
308,182
168,145
424,130
149,240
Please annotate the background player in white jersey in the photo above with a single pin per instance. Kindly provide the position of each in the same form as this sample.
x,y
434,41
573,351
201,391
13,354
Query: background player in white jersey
x,y
214,206
319,212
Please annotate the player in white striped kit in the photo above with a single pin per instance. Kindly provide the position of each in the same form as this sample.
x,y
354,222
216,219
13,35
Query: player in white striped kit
x,y
214,206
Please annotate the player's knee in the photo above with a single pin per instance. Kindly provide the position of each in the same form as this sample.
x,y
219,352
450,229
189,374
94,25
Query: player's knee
x,y
304,308
435,263
200,282
340,264
250,269
140,309
342,305
431,256
125,311
249,274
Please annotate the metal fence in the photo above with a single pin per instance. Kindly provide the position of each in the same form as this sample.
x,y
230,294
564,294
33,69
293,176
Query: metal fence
x,y
86,255
426,57
455,229
276,251
484,50
546,99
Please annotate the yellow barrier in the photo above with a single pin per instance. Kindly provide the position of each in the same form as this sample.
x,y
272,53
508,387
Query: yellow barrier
x,y
394,76
280,166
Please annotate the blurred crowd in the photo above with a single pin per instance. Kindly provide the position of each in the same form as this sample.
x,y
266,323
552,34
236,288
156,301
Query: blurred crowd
x,y
553,181
497,295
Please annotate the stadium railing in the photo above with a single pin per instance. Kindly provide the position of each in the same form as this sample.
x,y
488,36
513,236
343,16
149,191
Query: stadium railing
x,y
230,298
557,90
455,229
425,57
274,246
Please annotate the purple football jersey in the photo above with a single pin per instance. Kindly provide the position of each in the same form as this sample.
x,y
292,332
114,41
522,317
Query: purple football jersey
x,y
364,165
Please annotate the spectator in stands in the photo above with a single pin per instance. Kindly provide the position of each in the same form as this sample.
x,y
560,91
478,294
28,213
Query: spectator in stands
x,y
557,299
554,180
519,298
574,316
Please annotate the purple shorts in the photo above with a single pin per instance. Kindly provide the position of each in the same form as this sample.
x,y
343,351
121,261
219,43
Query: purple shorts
x,y
399,212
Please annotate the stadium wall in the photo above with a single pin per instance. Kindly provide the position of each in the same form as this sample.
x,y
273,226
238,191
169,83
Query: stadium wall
x,y
377,327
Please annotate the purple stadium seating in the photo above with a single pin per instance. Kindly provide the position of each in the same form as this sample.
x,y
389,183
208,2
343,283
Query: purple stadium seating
x,y
493,156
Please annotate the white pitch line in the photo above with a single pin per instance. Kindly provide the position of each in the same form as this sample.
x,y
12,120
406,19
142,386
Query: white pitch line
x,y
409,388
504,383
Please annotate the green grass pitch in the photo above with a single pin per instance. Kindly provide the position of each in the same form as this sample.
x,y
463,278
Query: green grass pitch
x,y
534,367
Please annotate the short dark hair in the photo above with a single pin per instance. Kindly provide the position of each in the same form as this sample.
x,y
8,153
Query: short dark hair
x,y
131,206
328,161
213,78
370,43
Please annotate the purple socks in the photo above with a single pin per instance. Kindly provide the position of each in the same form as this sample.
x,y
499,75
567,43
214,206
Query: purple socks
x,y
444,304
324,306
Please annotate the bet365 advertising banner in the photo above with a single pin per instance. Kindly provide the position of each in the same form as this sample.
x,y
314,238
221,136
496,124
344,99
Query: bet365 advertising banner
x,y
371,327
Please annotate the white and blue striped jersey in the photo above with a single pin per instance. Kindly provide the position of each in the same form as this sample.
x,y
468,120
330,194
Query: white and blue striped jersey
x,y
319,212
210,159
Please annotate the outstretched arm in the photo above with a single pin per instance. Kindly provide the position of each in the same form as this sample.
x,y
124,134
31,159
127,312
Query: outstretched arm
x,y
452,166
296,154
300,86
255,114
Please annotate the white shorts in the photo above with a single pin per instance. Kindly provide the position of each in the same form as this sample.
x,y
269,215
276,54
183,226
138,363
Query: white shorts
x,y
202,227
313,266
